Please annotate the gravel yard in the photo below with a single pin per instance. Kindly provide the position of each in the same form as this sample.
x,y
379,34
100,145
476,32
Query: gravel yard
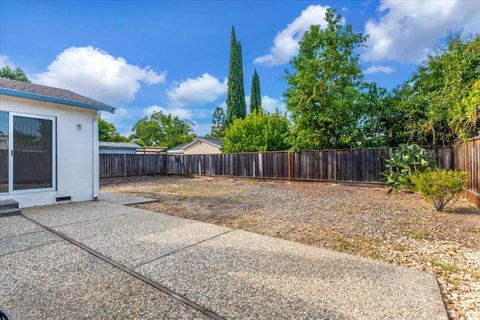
x,y
399,228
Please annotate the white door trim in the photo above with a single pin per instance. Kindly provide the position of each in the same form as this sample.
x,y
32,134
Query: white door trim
x,y
10,152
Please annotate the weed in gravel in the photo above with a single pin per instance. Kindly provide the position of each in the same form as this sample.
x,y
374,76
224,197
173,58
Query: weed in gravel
x,y
472,229
420,235
445,267
399,247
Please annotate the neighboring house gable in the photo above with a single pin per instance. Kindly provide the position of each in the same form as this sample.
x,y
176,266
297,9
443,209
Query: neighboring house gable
x,y
199,146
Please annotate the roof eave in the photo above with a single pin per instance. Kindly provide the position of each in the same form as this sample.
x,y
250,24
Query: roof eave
x,y
39,97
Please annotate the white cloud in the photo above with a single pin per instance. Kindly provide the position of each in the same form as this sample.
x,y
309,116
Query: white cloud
x,y
174,111
198,91
286,41
268,104
272,104
407,29
5,61
97,74
378,69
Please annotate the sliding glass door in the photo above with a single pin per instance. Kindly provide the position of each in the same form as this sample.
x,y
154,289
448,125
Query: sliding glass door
x,y
27,153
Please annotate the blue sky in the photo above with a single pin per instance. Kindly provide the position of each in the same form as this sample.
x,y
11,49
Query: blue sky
x,y
173,56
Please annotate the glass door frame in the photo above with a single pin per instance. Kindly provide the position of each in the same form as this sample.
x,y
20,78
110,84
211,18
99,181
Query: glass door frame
x,y
11,148
8,155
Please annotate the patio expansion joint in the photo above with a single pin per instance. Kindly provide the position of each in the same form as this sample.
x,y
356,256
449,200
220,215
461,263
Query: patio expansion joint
x,y
181,249
21,235
141,202
30,248
90,220
132,273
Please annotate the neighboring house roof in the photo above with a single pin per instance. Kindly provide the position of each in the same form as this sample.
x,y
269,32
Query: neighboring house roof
x,y
33,91
215,142
118,145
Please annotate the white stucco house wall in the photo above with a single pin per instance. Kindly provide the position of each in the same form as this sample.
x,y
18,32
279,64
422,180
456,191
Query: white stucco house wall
x,y
198,146
48,144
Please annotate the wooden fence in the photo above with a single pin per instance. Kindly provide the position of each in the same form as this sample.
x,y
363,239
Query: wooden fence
x,y
467,158
124,165
364,166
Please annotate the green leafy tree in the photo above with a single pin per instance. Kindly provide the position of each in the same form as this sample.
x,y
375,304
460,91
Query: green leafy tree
x,y
255,94
324,89
378,124
162,130
14,74
259,131
108,133
236,105
465,118
218,123
437,105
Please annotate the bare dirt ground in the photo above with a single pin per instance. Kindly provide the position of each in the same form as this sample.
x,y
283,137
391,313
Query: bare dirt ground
x,y
400,228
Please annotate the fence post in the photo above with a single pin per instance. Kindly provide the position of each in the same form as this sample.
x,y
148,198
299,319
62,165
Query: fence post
x,y
125,166
335,166
289,166
210,157
166,164
260,165
231,165
185,165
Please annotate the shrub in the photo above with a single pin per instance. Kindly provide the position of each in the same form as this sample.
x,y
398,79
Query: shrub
x,y
404,163
259,131
440,186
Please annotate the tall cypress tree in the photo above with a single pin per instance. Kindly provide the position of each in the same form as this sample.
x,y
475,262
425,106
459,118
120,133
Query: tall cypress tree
x,y
242,107
255,94
236,106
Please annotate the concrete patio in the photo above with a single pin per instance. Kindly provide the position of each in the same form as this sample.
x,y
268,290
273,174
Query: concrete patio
x,y
103,259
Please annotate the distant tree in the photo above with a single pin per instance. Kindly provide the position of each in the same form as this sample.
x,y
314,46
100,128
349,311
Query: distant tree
x,y
259,131
436,106
107,132
14,74
218,123
465,118
162,130
236,105
376,119
255,94
324,89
